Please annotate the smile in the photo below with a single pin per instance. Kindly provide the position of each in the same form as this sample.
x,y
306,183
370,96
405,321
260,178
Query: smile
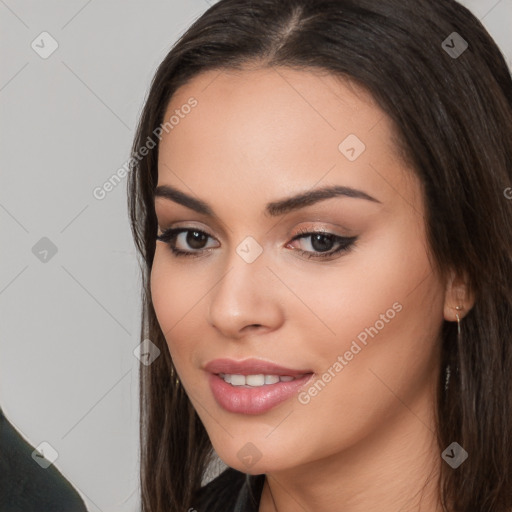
x,y
256,380
242,397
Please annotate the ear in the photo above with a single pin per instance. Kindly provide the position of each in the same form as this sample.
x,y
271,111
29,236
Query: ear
x,y
457,293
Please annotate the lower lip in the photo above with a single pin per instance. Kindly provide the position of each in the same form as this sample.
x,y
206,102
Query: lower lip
x,y
256,400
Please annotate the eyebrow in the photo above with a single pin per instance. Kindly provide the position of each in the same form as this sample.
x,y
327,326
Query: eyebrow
x,y
274,208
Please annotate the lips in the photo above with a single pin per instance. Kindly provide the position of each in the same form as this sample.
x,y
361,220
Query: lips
x,y
251,367
237,397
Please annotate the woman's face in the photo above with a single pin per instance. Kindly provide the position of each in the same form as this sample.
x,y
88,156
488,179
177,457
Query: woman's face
x,y
362,321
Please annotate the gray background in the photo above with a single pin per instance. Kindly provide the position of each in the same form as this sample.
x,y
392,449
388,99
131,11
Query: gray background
x,y
70,322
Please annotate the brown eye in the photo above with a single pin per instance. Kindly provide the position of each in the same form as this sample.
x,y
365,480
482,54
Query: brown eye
x,y
187,238
321,244
196,239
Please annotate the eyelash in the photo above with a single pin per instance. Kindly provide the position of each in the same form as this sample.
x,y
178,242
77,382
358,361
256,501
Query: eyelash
x,y
346,243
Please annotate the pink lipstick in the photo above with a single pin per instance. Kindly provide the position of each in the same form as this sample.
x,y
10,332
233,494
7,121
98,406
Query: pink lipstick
x,y
253,386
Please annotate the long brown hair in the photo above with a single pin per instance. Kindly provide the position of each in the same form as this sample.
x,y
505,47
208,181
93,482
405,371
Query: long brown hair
x,y
453,116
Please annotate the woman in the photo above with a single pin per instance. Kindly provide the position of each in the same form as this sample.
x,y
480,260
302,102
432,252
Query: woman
x,y
319,196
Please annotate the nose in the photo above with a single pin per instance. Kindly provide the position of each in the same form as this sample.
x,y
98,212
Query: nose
x,y
246,299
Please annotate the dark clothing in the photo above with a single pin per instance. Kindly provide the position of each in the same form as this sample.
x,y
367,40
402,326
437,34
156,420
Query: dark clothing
x,y
24,485
231,491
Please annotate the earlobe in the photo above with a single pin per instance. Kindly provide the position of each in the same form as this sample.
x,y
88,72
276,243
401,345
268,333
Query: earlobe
x,y
458,298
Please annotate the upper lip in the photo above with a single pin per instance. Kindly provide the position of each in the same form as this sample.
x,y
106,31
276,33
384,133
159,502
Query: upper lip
x,y
250,366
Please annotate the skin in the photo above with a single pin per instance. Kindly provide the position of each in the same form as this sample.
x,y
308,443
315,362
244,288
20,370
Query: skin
x,y
366,441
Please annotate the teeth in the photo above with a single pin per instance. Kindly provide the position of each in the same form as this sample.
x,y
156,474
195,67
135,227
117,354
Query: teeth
x,y
256,380
271,379
237,380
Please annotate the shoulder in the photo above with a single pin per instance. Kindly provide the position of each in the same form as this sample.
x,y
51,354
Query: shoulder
x,y
24,484
227,492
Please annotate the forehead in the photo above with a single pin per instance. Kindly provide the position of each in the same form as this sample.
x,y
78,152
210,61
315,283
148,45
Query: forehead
x,y
316,100
276,126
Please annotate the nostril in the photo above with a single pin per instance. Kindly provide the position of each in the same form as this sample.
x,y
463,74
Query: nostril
x,y
253,326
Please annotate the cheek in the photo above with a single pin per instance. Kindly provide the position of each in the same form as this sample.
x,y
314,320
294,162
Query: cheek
x,y
174,290
172,294
381,309
386,313
178,297
163,291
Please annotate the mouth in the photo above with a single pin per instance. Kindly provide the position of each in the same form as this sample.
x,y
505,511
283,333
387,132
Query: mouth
x,y
253,386
251,367
257,380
